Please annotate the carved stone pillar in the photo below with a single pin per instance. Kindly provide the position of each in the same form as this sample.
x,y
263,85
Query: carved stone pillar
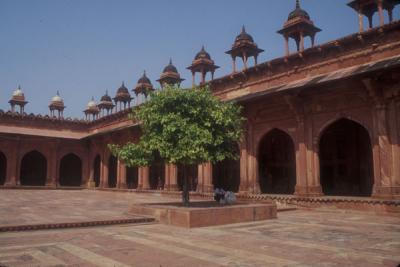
x,y
301,160
12,168
382,154
121,175
172,177
205,178
244,183
144,178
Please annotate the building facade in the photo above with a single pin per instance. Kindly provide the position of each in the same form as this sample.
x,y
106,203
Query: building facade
x,y
323,120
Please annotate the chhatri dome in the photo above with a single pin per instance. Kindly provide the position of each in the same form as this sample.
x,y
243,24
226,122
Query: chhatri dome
x,y
202,54
92,104
18,99
170,75
298,12
143,85
57,103
18,93
244,36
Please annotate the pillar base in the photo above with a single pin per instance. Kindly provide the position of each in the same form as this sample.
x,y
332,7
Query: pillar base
x,y
205,188
91,184
51,184
122,186
10,184
391,192
308,191
173,187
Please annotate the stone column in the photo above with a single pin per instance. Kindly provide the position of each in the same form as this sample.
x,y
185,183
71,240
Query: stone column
x,y
382,153
301,160
52,178
103,174
244,183
12,168
286,45
380,12
207,177
312,160
360,21
121,175
144,178
173,178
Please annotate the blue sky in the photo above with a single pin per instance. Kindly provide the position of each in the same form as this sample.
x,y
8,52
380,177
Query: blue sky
x,y
83,47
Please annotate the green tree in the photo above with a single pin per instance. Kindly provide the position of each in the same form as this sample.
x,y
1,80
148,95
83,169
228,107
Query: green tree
x,y
184,126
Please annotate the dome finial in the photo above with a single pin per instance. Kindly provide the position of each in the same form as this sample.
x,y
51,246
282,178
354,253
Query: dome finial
x,y
19,87
202,48
58,93
106,91
92,98
297,4
170,60
243,29
123,83
144,72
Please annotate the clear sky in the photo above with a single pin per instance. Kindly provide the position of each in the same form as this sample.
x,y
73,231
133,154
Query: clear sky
x,y
83,47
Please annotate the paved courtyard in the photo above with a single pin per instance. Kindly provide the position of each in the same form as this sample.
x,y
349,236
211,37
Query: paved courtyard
x,y
296,238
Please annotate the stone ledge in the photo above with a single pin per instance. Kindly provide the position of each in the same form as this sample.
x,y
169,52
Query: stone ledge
x,y
206,213
32,227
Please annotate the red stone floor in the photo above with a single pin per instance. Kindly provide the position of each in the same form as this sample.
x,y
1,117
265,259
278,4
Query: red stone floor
x,y
297,238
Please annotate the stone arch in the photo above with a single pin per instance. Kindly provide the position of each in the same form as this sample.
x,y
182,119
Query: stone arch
x,y
277,163
33,169
226,173
70,172
3,168
339,117
345,157
112,171
190,171
96,170
132,177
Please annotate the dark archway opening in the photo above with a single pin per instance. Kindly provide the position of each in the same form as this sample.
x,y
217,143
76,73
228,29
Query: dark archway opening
x,y
190,171
132,177
3,168
277,165
346,160
33,169
112,172
157,173
96,171
226,174
70,170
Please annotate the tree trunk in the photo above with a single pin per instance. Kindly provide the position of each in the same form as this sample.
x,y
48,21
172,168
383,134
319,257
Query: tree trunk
x,y
185,189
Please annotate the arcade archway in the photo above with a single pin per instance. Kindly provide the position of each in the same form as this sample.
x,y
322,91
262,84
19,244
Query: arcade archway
x,y
33,169
157,173
96,170
226,174
112,171
190,171
70,170
132,177
3,168
277,165
346,159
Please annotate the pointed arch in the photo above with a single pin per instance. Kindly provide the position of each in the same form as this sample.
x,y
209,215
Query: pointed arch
x,y
277,163
226,173
70,172
112,171
345,155
132,177
33,169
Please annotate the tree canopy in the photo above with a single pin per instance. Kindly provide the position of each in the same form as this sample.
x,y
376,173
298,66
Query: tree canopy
x,y
184,126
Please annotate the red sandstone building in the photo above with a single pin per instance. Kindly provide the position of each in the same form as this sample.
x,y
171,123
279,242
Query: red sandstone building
x,y
323,120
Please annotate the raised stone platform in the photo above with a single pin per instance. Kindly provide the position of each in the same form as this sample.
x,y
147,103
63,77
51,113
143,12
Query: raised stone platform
x,y
206,213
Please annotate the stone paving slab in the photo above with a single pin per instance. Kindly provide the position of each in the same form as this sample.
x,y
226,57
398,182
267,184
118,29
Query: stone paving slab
x,y
29,207
296,238
319,237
